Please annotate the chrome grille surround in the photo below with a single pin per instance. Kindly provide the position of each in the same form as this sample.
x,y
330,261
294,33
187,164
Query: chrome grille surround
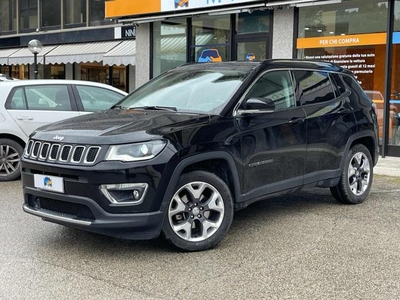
x,y
62,153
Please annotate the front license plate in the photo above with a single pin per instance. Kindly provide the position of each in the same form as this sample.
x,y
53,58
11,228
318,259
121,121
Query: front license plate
x,y
50,183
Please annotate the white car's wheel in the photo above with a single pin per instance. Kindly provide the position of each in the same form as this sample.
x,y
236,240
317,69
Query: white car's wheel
x,y
10,157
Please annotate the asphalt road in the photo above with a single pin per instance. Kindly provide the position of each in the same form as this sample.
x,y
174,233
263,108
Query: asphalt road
x,y
303,246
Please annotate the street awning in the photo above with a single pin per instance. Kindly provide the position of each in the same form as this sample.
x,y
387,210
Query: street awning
x,y
5,53
23,56
123,54
80,53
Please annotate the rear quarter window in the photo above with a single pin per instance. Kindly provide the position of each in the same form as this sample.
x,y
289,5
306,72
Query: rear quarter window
x,y
313,87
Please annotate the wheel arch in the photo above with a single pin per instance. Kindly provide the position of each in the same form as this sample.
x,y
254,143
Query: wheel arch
x,y
365,138
13,137
220,163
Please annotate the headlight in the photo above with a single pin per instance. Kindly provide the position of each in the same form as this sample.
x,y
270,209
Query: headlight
x,y
135,152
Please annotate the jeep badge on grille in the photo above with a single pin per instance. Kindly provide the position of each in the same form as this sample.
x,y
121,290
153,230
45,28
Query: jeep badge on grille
x,y
58,138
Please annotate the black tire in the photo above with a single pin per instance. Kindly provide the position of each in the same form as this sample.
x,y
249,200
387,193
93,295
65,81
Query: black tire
x,y
10,157
357,175
199,213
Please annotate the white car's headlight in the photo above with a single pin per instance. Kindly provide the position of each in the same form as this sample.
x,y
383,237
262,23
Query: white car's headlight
x,y
135,152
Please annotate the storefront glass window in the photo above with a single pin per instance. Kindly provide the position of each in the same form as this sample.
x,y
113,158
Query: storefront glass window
x,y
251,50
254,22
351,34
7,16
210,39
97,13
394,116
75,13
119,77
347,17
28,14
51,13
169,45
95,72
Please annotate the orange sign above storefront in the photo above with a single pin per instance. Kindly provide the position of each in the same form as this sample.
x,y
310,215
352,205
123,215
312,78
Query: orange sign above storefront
x,y
120,8
123,8
342,41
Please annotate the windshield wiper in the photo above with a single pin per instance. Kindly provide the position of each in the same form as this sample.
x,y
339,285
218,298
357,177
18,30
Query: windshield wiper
x,y
155,107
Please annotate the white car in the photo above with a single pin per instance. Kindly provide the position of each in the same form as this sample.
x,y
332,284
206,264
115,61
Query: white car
x,y
26,105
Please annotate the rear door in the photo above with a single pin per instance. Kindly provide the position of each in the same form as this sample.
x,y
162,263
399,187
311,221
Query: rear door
x,y
33,106
329,123
273,144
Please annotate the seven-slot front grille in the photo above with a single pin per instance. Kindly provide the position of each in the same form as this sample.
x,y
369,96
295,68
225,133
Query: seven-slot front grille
x,y
64,153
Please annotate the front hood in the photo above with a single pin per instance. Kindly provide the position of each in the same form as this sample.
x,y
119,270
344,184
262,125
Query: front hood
x,y
119,126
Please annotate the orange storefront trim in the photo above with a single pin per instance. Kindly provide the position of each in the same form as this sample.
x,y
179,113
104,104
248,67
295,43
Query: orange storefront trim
x,y
119,8
342,41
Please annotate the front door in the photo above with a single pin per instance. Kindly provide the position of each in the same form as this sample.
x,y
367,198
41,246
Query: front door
x,y
273,143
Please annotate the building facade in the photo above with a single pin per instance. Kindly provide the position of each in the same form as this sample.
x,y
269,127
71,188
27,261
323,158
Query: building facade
x,y
125,43
78,42
360,35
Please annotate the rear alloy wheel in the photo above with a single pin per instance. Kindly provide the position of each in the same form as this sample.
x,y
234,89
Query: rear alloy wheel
x,y
10,157
200,212
357,175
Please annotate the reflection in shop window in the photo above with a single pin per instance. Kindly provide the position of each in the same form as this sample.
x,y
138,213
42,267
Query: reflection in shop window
x,y
28,14
74,12
169,45
50,13
348,17
255,22
8,12
210,38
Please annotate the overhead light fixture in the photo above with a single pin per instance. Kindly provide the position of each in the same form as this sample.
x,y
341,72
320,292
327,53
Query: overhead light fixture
x,y
316,3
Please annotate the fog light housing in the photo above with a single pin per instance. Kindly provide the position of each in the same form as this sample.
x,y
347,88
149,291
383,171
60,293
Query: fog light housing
x,y
125,193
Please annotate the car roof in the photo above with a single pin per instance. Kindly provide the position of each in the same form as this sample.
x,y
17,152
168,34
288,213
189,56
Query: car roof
x,y
265,64
14,83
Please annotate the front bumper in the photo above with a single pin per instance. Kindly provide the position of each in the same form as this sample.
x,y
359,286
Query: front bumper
x,y
84,213
82,205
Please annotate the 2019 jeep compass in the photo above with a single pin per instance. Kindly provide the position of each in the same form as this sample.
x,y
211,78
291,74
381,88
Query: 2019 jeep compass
x,y
183,152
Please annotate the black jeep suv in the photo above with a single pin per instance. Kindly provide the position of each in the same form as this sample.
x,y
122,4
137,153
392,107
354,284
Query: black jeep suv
x,y
179,155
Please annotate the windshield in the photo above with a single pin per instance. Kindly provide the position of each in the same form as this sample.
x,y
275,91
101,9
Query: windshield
x,y
195,91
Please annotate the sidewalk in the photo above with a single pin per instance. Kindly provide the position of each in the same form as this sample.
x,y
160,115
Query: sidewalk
x,y
389,166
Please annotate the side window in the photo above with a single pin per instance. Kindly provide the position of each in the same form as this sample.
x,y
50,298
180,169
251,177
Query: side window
x,y
96,98
48,97
276,86
313,87
17,99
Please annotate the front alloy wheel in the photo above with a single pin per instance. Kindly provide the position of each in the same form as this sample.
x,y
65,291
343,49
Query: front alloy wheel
x,y
199,213
10,156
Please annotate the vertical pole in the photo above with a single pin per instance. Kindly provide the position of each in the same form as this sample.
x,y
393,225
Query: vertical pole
x,y
35,66
388,78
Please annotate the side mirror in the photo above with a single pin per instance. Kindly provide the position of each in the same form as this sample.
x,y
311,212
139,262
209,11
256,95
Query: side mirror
x,y
256,106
